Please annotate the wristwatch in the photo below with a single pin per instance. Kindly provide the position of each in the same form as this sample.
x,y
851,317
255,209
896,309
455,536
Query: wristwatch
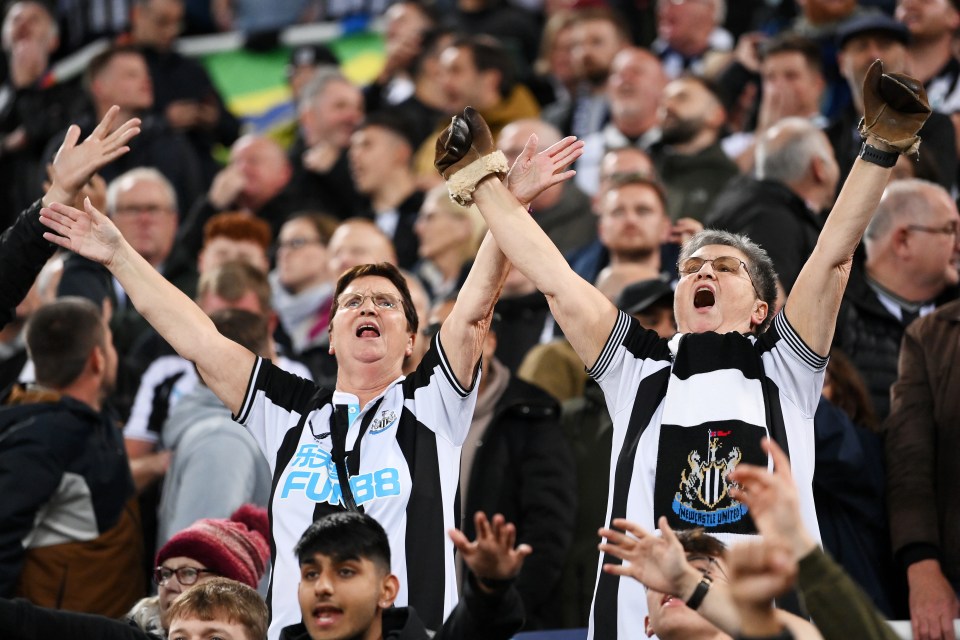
x,y
885,159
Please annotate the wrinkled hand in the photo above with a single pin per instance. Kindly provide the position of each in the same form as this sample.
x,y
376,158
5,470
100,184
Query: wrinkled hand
x,y
773,500
933,603
533,173
895,106
86,232
74,164
657,562
492,555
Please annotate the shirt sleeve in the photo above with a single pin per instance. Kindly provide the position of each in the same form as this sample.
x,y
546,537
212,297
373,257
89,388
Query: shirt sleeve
x,y
797,369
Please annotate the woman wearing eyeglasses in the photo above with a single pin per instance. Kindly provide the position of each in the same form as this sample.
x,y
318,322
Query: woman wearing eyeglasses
x,y
379,442
686,411
234,548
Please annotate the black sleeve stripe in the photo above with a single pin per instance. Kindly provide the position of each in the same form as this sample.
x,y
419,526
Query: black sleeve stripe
x,y
448,371
249,393
617,335
796,343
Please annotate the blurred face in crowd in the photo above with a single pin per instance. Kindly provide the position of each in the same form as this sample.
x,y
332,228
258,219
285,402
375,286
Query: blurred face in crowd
x,y
344,598
440,230
670,619
928,19
125,81
146,215
686,109
301,256
265,168
860,51
375,153
822,11
595,43
358,242
561,56
686,24
405,26
333,115
158,23
633,222
932,238
636,84
221,249
791,81
464,84
29,21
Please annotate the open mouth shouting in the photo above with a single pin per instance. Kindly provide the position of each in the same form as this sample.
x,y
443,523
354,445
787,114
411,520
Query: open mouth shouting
x,y
326,615
704,298
368,331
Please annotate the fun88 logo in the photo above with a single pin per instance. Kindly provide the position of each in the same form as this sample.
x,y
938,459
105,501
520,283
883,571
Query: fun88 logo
x,y
313,473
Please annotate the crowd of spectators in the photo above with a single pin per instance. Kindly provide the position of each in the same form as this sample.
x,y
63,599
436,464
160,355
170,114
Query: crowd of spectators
x,y
693,114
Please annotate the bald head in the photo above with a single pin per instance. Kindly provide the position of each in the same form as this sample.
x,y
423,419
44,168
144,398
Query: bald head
x,y
265,169
634,88
784,152
514,136
358,241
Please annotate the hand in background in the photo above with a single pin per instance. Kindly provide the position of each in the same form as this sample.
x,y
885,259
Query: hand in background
x,y
492,556
533,173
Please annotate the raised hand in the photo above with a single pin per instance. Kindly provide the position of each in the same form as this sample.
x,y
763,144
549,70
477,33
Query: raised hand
x,y
74,164
533,173
772,500
460,146
657,562
895,106
88,233
492,555
758,573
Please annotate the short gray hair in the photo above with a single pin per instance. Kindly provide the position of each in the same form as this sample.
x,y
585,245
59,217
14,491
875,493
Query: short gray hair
x,y
759,265
902,200
784,151
125,180
322,77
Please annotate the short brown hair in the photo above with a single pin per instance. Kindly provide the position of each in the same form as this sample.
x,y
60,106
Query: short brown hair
x,y
700,542
379,270
324,223
244,327
232,280
793,43
620,180
226,600
236,225
60,337
100,61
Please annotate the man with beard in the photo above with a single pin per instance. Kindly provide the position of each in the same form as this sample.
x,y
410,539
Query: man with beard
x,y
597,37
688,158
70,538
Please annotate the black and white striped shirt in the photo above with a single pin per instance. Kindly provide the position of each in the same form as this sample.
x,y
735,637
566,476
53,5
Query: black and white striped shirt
x,y
408,473
685,412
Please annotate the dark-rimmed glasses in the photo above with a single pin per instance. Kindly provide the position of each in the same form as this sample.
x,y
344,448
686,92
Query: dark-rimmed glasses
x,y
949,229
721,264
185,575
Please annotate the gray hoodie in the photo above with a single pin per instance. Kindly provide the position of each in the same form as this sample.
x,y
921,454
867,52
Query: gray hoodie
x,y
216,467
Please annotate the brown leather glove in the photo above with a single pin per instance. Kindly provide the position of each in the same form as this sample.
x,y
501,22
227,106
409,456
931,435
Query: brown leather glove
x,y
895,106
465,155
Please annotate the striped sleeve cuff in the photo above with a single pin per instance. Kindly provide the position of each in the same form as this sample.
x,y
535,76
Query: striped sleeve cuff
x,y
448,371
796,343
250,393
617,334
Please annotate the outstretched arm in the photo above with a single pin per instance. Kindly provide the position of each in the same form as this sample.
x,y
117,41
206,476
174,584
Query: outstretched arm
x,y
583,313
23,251
466,327
895,107
224,365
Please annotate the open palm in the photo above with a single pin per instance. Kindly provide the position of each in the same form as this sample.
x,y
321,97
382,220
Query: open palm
x,y
88,233
532,173
657,562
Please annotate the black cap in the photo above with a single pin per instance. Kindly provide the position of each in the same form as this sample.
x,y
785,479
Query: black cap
x,y
312,55
639,296
872,23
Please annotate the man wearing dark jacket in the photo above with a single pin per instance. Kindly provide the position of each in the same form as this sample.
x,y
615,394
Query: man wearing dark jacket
x,y
70,537
347,591
781,209
516,462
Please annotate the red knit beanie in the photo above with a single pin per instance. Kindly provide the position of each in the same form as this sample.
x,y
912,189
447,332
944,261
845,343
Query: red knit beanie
x,y
236,548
